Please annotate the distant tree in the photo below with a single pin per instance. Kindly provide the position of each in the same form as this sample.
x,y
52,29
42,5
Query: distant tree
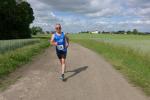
x,y
47,32
120,32
103,32
35,30
129,32
135,31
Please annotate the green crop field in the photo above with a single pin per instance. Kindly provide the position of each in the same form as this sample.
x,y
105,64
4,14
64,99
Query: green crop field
x,y
9,45
130,54
139,43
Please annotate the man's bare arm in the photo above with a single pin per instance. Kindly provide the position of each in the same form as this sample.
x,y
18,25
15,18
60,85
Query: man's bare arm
x,y
67,40
52,41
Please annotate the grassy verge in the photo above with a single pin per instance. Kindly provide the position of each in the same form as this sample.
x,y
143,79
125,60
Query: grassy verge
x,y
11,60
132,64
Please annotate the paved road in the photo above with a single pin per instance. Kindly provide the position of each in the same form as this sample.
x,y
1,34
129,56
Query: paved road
x,y
88,77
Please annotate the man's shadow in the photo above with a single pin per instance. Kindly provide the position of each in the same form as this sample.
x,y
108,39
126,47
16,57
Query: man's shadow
x,y
75,72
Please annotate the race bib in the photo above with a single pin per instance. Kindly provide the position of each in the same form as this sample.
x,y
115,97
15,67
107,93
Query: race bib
x,y
60,47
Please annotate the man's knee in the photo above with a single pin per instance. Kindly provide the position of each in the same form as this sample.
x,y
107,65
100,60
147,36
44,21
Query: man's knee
x,y
63,61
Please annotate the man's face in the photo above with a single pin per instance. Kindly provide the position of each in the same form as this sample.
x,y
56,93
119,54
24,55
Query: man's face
x,y
58,28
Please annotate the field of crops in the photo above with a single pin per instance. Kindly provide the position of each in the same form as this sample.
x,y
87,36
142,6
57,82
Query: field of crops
x,y
9,45
139,43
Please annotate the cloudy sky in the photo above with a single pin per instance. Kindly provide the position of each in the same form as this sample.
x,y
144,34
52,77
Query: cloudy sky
x,y
82,15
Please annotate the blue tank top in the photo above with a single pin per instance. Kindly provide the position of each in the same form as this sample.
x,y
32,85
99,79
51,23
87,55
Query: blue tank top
x,y
61,42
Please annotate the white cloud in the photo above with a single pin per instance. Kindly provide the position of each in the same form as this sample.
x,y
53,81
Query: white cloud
x,y
77,15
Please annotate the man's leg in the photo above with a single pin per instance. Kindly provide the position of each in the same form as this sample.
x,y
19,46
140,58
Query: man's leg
x,y
62,58
63,65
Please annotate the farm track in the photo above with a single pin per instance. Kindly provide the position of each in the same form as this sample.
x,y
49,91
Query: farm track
x,y
88,77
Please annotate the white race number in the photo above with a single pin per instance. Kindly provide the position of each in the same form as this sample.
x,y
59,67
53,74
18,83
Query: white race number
x,y
60,47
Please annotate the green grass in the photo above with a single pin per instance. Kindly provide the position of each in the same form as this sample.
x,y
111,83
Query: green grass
x,y
13,59
9,45
132,63
139,43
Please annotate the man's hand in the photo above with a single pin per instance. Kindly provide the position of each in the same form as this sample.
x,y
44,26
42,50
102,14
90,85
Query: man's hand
x,y
67,45
54,43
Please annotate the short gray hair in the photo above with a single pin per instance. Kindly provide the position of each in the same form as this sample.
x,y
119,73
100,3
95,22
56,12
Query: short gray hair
x,y
57,24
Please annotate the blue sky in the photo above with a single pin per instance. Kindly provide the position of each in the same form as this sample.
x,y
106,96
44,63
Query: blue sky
x,y
91,15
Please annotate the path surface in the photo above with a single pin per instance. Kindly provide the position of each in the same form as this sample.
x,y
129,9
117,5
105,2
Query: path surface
x,y
89,77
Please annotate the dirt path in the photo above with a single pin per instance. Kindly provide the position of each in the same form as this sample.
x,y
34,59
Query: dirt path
x,y
89,77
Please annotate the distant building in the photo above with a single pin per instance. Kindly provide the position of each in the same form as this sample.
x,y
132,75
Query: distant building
x,y
95,32
125,33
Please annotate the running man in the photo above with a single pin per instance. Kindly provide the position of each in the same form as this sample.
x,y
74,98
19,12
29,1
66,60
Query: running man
x,y
61,41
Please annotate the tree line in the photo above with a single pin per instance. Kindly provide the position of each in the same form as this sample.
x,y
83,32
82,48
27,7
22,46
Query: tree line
x,y
36,29
15,19
134,31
